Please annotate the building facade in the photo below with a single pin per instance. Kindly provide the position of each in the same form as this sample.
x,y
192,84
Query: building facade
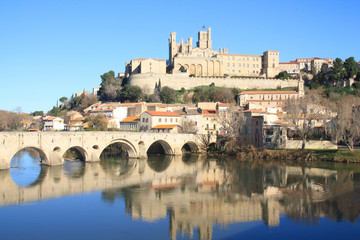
x,y
202,60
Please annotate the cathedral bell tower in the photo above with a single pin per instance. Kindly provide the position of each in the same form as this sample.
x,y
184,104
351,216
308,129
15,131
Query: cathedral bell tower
x,y
204,39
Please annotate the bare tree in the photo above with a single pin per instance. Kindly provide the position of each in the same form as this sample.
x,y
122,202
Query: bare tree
x,y
189,126
205,140
346,126
232,123
302,114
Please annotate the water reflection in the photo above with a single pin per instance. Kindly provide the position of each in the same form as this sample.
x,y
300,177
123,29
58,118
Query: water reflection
x,y
159,163
25,167
196,193
117,167
74,169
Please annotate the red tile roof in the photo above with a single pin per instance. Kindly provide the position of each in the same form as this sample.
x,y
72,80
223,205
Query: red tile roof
x,y
170,126
209,113
166,114
224,104
133,119
268,92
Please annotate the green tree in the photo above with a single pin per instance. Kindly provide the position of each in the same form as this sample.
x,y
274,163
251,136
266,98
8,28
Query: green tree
x,y
55,111
357,77
37,113
168,95
283,75
74,102
63,99
129,93
109,86
351,67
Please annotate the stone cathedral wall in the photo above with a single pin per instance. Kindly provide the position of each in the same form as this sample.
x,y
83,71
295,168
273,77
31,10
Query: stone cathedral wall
x,y
148,82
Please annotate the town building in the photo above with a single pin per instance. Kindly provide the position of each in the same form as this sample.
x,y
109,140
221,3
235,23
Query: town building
x,y
291,67
130,124
51,123
304,63
146,65
76,124
317,64
211,124
156,120
264,100
191,119
71,115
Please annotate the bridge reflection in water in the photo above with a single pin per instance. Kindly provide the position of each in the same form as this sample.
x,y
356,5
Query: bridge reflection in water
x,y
197,193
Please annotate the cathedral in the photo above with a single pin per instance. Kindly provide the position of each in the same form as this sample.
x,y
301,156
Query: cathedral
x,y
203,61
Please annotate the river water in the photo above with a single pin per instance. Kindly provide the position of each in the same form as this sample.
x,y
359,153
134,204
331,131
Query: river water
x,y
188,197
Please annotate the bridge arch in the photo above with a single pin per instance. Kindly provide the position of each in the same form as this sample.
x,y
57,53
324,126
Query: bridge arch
x,y
83,154
160,147
43,157
190,147
129,147
26,169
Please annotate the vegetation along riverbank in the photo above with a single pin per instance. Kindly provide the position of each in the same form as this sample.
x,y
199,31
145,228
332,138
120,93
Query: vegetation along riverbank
x,y
243,153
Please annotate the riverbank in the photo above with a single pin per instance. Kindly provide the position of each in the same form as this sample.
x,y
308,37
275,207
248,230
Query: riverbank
x,y
298,155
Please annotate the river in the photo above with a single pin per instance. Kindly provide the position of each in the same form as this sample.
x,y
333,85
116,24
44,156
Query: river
x,y
186,197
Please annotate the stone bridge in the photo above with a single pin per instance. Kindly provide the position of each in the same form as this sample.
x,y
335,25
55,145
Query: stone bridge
x,y
53,145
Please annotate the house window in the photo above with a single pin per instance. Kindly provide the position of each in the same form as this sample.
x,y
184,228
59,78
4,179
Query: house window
x,y
143,120
147,119
165,119
176,120
170,119
214,126
159,119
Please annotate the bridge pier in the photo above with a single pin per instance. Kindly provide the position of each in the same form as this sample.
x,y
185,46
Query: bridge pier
x,y
55,159
4,163
177,151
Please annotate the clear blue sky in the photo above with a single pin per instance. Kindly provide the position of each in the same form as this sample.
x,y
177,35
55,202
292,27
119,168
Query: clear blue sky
x,y
53,48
